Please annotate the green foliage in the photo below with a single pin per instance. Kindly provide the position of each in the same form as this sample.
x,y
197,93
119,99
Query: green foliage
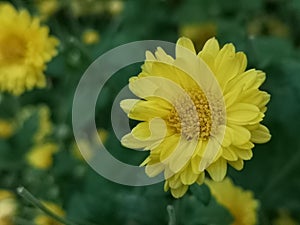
x,y
201,208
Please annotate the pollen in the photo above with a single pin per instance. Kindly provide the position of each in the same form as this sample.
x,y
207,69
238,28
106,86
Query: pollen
x,y
191,115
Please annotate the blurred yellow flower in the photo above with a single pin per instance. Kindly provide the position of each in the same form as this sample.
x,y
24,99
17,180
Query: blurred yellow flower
x,y
6,129
240,203
47,8
43,219
86,148
44,124
81,8
191,129
115,7
25,47
268,25
284,218
8,207
90,37
87,7
45,127
41,155
198,33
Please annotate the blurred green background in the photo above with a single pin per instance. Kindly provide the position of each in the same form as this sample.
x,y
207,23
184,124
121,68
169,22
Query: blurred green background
x,y
267,31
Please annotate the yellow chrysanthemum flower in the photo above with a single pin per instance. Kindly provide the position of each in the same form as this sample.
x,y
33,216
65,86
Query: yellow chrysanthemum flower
x,y
25,47
268,25
198,112
90,37
240,203
115,7
41,155
8,207
284,218
45,127
86,150
43,219
6,129
87,7
47,8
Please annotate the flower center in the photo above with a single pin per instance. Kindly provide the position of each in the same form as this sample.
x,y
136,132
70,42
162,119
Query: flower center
x,y
12,49
193,116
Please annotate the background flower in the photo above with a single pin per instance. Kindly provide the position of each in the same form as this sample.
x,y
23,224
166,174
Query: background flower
x,y
241,203
8,207
25,47
6,129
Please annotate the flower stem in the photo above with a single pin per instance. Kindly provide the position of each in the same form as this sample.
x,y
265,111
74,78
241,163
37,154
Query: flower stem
x,y
34,201
171,213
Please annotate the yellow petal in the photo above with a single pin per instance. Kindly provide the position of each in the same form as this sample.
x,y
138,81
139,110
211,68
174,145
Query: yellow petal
x,y
248,145
156,86
231,97
245,81
211,151
242,59
239,135
238,164
175,73
182,154
174,181
261,77
154,170
229,154
255,97
218,170
200,179
211,47
244,154
226,64
188,177
179,192
166,186
244,114
157,130
146,110
195,162
209,52
161,55
260,135
167,147
184,45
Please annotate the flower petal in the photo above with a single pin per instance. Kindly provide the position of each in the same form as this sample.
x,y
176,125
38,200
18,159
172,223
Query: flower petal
x,y
260,135
146,110
244,114
238,164
182,154
239,135
179,192
229,154
188,177
218,170
184,45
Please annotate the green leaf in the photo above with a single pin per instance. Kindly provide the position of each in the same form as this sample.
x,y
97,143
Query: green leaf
x,y
191,211
264,51
201,192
